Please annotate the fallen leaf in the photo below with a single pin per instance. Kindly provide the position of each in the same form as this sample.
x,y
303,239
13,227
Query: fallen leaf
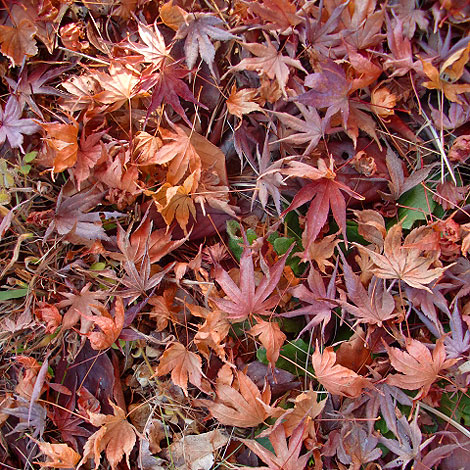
x,y
271,337
244,408
110,327
285,456
400,262
59,455
419,369
116,437
183,365
18,41
269,61
62,139
196,452
336,379
12,126
242,101
199,29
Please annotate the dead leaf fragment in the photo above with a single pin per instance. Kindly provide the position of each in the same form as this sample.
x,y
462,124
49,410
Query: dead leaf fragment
x,y
242,102
271,337
18,41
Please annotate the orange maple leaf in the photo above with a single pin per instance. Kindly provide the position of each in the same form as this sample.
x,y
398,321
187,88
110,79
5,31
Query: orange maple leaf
x,y
59,455
244,408
336,379
419,368
183,365
271,337
62,139
18,41
115,436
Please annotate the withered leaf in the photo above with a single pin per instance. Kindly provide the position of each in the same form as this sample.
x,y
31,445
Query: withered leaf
x,y
401,262
116,437
419,369
336,379
244,408
271,337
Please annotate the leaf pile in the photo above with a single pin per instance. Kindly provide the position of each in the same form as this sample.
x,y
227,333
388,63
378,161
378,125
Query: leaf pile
x,y
235,234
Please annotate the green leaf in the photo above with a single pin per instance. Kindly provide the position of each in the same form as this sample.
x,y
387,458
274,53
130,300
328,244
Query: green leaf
x,y
419,206
456,406
30,156
235,241
294,357
13,294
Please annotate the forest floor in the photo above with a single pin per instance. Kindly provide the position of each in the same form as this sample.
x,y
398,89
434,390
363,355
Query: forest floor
x,y
235,234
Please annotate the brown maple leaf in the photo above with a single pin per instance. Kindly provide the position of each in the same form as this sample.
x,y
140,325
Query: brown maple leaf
x,y
18,41
110,327
436,82
249,299
419,369
59,455
62,140
278,14
336,379
402,262
116,437
243,408
183,365
271,337
270,62
242,101
285,456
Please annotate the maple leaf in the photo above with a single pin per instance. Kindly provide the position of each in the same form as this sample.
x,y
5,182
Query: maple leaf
x,y
321,301
326,192
154,49
168,87
309,129
110,327
243,408
306,409
176,202
269,62
401,262
119,85
183,365
373,306
336,379
409,445
399,184
62,139
59,455
89,152
278,14
143,242
450,90
285,456
269,178
249,299
199,29
212,332
179,151
321,251
116,437
419,369
17,42
80,304
329,89
271,337
12,126
33,83
70,216
242,102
